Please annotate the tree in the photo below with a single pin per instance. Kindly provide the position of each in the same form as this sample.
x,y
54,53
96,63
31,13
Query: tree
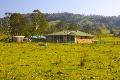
x,y
99,33
6,25
2,31
103,26
86,25
24,27
73,26
38,23
1,28
35,18
43,26
51,28
87,29
62,25
18,24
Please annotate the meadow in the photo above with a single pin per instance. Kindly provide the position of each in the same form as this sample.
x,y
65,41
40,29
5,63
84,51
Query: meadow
x,y
30,61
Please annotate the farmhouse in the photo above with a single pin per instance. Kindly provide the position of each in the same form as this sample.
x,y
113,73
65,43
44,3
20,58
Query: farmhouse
x,y
70,36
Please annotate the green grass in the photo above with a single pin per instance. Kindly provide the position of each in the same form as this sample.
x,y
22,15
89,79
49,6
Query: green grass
x,y
29,61
108,37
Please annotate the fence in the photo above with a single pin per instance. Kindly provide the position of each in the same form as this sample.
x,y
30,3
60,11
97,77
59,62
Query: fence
x,y
106,42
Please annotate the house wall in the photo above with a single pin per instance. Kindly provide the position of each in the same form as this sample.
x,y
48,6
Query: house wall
x,y
79,39
60,38
49,39
76,39
55,38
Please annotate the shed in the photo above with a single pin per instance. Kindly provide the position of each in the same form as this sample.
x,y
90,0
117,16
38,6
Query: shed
x,y
18,38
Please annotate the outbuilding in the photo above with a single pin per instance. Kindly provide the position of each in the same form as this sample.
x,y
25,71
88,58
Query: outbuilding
x,y
18,38
70,36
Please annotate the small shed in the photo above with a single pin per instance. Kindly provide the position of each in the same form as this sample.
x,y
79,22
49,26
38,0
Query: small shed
x,y
18,38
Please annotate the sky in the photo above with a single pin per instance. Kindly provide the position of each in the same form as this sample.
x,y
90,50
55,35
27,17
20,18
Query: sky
x,y
87,7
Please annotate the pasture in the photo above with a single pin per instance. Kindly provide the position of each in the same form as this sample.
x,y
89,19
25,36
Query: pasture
x,y
30,61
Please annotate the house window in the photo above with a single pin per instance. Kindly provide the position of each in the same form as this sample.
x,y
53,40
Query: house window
x,y
82,37
85,37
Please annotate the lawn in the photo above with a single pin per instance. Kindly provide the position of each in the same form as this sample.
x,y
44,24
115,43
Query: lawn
x,y
29,61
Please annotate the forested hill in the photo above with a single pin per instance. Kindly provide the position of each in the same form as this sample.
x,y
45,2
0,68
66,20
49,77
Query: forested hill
x,y
110,21
44,23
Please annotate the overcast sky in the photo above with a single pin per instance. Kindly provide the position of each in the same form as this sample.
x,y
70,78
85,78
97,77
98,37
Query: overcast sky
x,y
87,7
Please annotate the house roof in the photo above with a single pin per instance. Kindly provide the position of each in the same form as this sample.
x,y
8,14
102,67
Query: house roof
x,y
74,33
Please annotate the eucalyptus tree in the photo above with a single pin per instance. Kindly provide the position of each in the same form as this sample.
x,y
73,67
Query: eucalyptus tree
x,y
38,23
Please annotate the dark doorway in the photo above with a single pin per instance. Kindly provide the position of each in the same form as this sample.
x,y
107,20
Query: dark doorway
x,y
70,38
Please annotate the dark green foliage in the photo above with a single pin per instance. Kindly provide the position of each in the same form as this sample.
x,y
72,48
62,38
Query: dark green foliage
x,y
2,31
51,28
73,26
98,21
6,25
62,25
38,23
18,24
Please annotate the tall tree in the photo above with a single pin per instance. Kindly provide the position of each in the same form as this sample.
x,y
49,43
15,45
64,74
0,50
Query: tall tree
x,y
18,24
39,23
43,26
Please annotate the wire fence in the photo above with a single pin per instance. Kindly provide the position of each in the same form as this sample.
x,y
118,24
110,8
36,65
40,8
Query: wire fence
x,y
106,42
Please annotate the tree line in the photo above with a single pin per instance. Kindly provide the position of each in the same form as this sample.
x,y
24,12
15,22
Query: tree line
x,y
18,24
37,23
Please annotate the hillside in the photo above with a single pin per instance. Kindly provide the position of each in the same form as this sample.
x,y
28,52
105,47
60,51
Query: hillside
x,y
109,21
53,22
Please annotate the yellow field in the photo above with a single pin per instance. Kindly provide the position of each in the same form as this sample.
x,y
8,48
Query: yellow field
x,y
29,61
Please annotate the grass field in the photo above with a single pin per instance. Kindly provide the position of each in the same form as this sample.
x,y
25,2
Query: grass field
x,y
29,61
